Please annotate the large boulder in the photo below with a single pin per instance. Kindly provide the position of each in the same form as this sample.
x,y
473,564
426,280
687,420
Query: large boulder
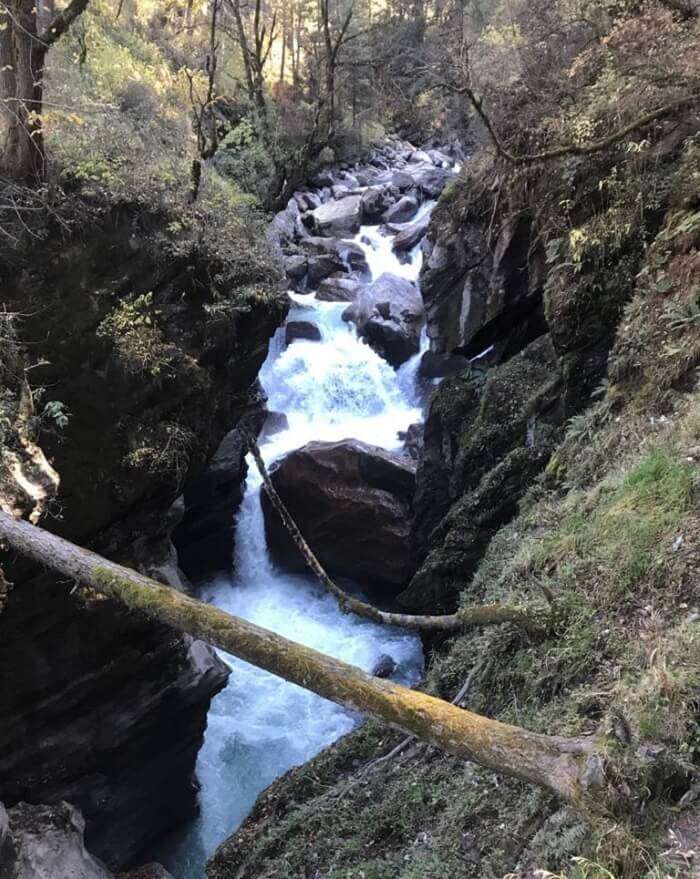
x,y
431,180
376,200
337,289
402,180
367,176
347,254
410,234
296,266
47,842
352,502
322,266
402,210
388,314
302,330
307,200
341,217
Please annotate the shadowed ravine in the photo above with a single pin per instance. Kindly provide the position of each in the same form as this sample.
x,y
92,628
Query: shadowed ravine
x,y
260,726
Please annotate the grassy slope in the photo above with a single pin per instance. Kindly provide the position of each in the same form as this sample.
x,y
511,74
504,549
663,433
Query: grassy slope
x,y
611,532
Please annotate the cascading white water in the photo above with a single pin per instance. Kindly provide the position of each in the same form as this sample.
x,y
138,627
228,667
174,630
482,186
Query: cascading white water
x,y
260,726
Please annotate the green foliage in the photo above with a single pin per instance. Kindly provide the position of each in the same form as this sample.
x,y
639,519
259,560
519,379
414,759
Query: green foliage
x,y
135,338
56,414
162,450
625,529
680,315
244,159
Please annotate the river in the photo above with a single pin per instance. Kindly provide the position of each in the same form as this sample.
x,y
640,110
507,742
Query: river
x,y
260,726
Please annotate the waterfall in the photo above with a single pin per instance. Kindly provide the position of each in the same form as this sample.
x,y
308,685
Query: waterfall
x,y
260,726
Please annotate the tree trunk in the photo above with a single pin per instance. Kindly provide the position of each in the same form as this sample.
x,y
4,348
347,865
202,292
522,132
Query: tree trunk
x,y
23,59
22,82
560,764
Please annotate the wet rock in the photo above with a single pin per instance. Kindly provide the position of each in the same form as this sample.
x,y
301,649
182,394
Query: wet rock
x,y
324,178
402,180
275,422
419,156
352,503
375,201
440,160
388,314
408,236
337,289
367,176
303,330
349,255
307,200
322,266
402,210
341,217
384,667
205,537
47,843
434,365
431,181
413,439
349,179
295,269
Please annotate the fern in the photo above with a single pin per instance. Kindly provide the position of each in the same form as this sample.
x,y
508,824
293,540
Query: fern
x,y
685,314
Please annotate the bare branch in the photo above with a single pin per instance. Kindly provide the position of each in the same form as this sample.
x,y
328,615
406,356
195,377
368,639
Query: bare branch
x,y
63,21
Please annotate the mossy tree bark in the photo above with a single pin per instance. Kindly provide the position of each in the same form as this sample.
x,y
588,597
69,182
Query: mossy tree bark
x,y
560,764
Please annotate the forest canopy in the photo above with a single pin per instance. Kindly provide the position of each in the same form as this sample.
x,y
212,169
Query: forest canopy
x,y
138,94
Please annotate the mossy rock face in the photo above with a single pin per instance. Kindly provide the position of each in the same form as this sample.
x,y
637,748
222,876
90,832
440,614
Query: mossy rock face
x,y
152,345
464,533
485,441
150,338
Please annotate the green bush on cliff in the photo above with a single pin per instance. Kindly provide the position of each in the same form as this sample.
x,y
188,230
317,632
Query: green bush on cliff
x,y
136,339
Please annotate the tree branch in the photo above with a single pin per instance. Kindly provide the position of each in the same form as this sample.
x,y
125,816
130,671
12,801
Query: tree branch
x,y
62,21
464,618
572,149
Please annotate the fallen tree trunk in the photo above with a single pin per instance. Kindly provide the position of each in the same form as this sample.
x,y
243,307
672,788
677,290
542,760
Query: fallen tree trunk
x,y
464,618
562,765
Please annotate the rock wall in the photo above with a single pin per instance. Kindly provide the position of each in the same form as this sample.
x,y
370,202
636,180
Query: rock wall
x,y
524,320
151,345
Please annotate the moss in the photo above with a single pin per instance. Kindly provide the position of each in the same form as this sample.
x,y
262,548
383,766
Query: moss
x,y
627,527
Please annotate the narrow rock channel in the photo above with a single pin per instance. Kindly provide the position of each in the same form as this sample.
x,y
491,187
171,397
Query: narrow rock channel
x,y
344,366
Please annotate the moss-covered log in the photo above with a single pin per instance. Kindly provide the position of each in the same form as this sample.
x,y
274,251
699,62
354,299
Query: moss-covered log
x,y
464,618
564,765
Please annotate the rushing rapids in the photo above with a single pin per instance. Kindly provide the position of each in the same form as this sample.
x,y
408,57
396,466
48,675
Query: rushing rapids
x,y
330,388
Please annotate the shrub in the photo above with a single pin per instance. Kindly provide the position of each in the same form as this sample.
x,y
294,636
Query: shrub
x,y
138,99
